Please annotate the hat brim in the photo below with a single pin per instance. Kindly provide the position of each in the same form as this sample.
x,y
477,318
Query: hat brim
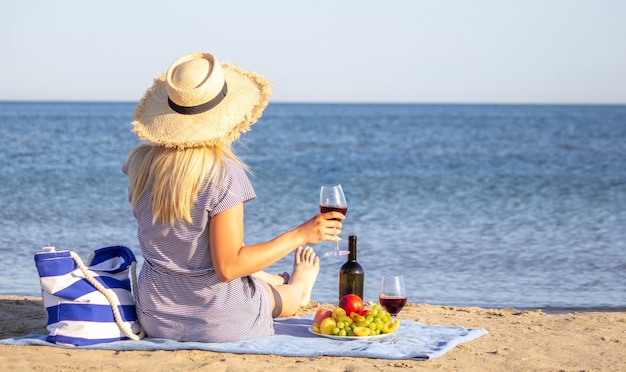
x,y
155,122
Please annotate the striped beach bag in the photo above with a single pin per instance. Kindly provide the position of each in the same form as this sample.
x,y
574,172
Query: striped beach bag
x,y
89,304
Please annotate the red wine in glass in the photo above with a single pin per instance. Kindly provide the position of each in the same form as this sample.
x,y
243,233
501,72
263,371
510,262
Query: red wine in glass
x,y
329,208
333,199
393,305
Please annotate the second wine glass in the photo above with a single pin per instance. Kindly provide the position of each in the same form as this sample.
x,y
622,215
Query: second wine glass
x,y
392,297
332,198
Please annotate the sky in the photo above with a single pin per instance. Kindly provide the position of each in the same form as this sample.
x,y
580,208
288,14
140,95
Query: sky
x,y
355,51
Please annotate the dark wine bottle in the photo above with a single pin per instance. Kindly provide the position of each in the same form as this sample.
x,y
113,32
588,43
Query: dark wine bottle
x,y
351,274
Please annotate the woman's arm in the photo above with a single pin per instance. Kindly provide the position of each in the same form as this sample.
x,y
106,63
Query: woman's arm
x,y
232,259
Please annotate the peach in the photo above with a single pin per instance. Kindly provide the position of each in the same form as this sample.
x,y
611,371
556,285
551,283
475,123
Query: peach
x,y
362,331
356,317
316,328
338,312
327,325
320,315
388,326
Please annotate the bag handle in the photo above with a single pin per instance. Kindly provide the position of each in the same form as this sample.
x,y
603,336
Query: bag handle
x,y
112,300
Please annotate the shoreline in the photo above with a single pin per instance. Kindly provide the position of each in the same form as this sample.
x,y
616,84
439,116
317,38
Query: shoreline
x,y
518,339
567,310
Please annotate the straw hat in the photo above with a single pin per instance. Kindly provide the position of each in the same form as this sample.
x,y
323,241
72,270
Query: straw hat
x,y
200,102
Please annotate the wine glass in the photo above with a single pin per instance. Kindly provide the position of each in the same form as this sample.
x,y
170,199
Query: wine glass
x,y
392,297
333,199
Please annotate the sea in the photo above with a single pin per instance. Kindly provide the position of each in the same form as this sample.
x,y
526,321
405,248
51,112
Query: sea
x,y
485,205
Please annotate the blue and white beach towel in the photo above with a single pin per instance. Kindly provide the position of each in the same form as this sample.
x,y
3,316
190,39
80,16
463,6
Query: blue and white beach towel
x,y
293,338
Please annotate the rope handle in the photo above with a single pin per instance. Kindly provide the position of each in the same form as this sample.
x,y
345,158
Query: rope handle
x,y
113,301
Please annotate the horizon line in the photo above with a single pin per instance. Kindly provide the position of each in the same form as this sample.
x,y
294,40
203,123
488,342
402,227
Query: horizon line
x,y
451,103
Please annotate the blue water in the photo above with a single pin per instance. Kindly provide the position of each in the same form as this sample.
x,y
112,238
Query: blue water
x,y
483,205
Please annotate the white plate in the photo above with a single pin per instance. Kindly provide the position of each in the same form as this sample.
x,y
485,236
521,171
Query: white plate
x,y
350,338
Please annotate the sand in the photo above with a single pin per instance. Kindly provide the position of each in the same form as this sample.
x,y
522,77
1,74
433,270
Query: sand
x,y
517,341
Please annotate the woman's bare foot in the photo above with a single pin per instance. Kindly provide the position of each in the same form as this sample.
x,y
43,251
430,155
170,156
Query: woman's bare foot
x,y
306,266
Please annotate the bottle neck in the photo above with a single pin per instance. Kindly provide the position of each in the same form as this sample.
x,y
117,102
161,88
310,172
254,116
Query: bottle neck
x,y
352,255
352,248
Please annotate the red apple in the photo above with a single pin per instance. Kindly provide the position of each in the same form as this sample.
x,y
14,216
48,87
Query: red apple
x,y
351,303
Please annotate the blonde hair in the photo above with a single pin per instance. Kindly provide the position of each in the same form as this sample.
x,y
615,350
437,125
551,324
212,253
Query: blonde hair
x,y
175,177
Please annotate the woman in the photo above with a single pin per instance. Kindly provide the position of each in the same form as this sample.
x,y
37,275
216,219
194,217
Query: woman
x,y
199,282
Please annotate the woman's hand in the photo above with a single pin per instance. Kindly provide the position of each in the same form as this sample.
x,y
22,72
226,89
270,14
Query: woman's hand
x,y
324,226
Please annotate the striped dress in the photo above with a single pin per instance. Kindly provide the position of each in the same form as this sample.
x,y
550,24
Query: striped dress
x,y
179,295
